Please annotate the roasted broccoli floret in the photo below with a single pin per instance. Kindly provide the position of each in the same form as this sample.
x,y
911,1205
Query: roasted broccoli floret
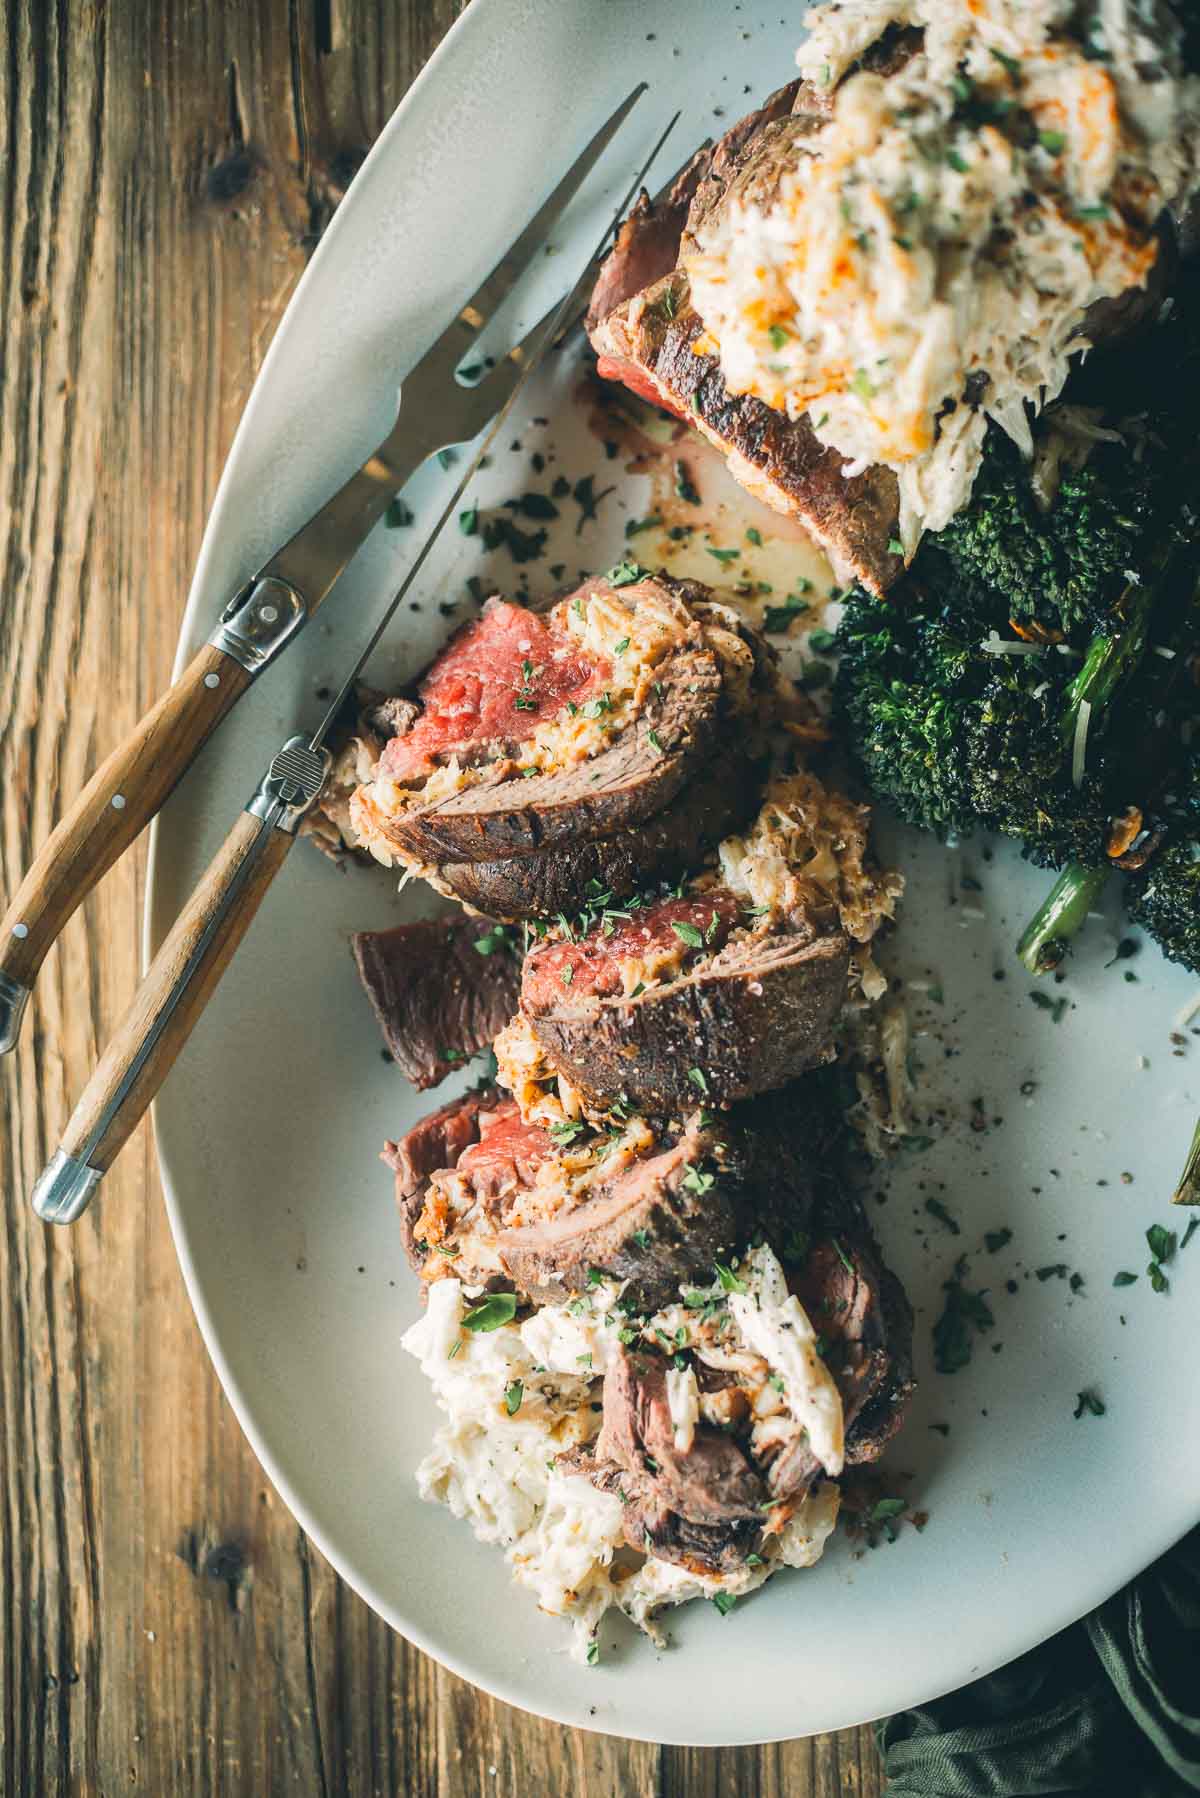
x,y
959,725
1059,567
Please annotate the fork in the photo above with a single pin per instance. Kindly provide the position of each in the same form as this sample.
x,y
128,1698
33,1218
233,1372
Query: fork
x,y
437,409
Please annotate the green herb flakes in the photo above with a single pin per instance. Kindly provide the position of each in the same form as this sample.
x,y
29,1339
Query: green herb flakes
x,y
724,1602
1124,1279
727,1277
513,1394
1089,1401
498,1308
995,1240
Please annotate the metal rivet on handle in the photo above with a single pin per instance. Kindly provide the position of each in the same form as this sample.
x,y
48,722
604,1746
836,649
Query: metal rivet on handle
x,y
268,614
118,802
212,680
20,930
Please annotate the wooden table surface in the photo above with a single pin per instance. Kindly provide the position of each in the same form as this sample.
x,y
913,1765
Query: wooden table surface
x,y
165,1626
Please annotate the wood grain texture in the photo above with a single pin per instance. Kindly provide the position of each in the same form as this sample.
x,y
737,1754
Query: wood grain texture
x,y
165,1627
119,800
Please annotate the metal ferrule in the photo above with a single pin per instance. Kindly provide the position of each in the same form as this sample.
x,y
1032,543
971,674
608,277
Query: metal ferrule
x,y
64,1190
291,784
14,997
260,621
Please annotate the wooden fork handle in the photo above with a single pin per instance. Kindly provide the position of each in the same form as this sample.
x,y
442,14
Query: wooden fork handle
x,y
114,807
180,981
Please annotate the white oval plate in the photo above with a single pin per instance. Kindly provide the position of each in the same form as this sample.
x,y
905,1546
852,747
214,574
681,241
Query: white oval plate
x,y
269,1129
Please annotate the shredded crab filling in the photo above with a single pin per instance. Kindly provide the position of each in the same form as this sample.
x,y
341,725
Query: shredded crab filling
x,y
519,1395
624,635
926,259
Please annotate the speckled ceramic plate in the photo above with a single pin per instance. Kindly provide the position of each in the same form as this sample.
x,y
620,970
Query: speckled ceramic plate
x,y
1066,1130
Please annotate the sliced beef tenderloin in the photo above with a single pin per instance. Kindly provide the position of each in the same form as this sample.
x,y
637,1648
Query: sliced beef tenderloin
x,y
452,798
437,997
616,790
751,1014
715,801
652,1527
650,343
651,1225
467,1176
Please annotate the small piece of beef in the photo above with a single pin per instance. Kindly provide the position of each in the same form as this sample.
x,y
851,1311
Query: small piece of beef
x,y
712,1482
437,998
653,1528
751,1016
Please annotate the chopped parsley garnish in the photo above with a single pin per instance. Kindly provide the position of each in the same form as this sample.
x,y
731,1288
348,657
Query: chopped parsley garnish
x,y
1053,142
565,1131
956,162
513,1394
447,458
842,1256
588,500
567,975
698,1079
643,524
724,555
596,1276
1124,1279
754,536
468,521
1056,1007
620,648
398,515
684,487
963,1313
862,385
593,1652
697,1180
451,1055
1193,1226
498,1308
779,618
727,1277
688,933
1090,1401
622,576
500,936
936,1209
1162,1242
655,741
665,305
995,1240
779,336
895,547
724,1602
642,1238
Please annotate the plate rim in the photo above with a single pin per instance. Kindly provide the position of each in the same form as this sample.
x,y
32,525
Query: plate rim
x,y
488,13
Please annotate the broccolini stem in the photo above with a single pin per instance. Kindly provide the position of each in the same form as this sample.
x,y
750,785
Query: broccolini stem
x,y
1061,914
1109,658
1188,1191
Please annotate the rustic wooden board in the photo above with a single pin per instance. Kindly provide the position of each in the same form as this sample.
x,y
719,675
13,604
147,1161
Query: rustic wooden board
x,y
164,1625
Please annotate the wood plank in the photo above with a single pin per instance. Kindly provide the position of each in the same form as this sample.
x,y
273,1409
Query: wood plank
x,y
164,1624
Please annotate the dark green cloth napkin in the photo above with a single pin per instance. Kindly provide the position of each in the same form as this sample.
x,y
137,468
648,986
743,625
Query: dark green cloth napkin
x,y
1109,1708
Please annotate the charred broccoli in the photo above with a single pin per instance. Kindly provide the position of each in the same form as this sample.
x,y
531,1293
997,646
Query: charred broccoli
x,y
1060,566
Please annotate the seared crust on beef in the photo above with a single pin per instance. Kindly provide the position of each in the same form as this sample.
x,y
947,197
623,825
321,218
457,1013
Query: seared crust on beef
x,y
718,798
619,788
774,457
753,1017
431,990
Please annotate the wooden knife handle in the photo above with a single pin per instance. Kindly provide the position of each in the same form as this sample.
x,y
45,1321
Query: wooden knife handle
x,y
177,986
114,807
